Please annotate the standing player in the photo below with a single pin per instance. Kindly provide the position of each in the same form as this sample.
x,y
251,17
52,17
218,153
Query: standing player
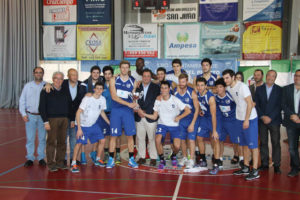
x,y
168,108
87,127
208,124
247,123
177,70
210,77
122,115
161,76
189,124
227,106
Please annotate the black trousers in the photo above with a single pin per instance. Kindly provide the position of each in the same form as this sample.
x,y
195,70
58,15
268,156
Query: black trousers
x,y
274,130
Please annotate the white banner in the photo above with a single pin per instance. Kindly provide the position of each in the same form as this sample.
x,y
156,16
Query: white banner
x,y
182,41
140,40
178,13
262,10
59,12
59,42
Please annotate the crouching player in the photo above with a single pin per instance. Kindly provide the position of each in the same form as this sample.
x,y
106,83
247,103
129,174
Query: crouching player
x,y
87,127
168,108
227,106
208,124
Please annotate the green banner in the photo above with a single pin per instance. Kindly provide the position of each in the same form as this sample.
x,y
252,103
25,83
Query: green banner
x,y
296,65
249,71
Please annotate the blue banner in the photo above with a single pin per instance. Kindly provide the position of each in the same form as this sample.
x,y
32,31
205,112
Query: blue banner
x,y
93,11
263,10
218,10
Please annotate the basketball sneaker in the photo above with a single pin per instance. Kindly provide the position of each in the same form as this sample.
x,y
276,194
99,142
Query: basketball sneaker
x,y
132,163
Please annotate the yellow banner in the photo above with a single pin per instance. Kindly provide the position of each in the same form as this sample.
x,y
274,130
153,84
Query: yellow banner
x,y
93,42
262,40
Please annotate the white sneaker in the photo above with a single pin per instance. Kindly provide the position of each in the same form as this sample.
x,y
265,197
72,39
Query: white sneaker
x,y
183,161
190,164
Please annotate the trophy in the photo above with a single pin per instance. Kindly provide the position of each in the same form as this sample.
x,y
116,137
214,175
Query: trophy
x,y
136,96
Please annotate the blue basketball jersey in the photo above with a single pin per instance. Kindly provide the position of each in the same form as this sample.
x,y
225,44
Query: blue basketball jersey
x,y
212,79
186,99
227,106
124,90
204,103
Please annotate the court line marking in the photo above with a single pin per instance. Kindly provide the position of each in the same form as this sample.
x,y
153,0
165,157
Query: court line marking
x,y
12,141
177,187
90,192
12,169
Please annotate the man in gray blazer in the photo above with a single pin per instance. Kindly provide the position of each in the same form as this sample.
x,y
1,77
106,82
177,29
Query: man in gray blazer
x,y
291,108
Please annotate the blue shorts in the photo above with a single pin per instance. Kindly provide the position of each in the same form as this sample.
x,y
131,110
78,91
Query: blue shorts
x,y
104,126
122,118
184,124
205,127
92,133
229,128
173,130
248,137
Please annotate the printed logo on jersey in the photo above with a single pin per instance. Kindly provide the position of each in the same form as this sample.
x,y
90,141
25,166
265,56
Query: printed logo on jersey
x,y
187,100
128,85
173,105
227,101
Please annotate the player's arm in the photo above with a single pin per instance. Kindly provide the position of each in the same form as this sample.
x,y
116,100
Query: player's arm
x,y
104,116
250,105
174,85
153,116
213,111
185,113
196,106
79,130
114,96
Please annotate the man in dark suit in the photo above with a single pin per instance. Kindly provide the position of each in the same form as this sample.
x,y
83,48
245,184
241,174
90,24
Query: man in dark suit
x,y
291,107
258,78
144,125
268,106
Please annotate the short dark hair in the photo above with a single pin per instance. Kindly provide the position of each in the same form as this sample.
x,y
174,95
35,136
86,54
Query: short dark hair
x,y
38,67
108,68
140,59
259,70
228,71
165,83
201,79
272,70
99,83
220,81
146,70
240,73
161,69
298,70
206,60
176,61
95,67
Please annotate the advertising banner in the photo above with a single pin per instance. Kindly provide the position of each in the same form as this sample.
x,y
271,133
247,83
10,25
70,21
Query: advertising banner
x,y
59,12
140,40
283,69
178,13
220,41
94,11
262,10
93,42
262,41
182,41
59,42
218,10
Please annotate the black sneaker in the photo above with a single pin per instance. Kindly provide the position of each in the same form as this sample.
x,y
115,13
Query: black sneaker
x,y
293,173
220,165
62,167
213,160
53,169
263,168
241,163
244,171
28,163
198,159
235,160
277,170
42,163
254,174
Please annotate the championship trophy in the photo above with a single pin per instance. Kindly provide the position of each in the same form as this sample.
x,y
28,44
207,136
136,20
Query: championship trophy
x,y
136,96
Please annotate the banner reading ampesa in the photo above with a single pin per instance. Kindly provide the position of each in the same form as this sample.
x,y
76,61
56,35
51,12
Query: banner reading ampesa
x,y
59,12
94,42
182,41
140,40
262,41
